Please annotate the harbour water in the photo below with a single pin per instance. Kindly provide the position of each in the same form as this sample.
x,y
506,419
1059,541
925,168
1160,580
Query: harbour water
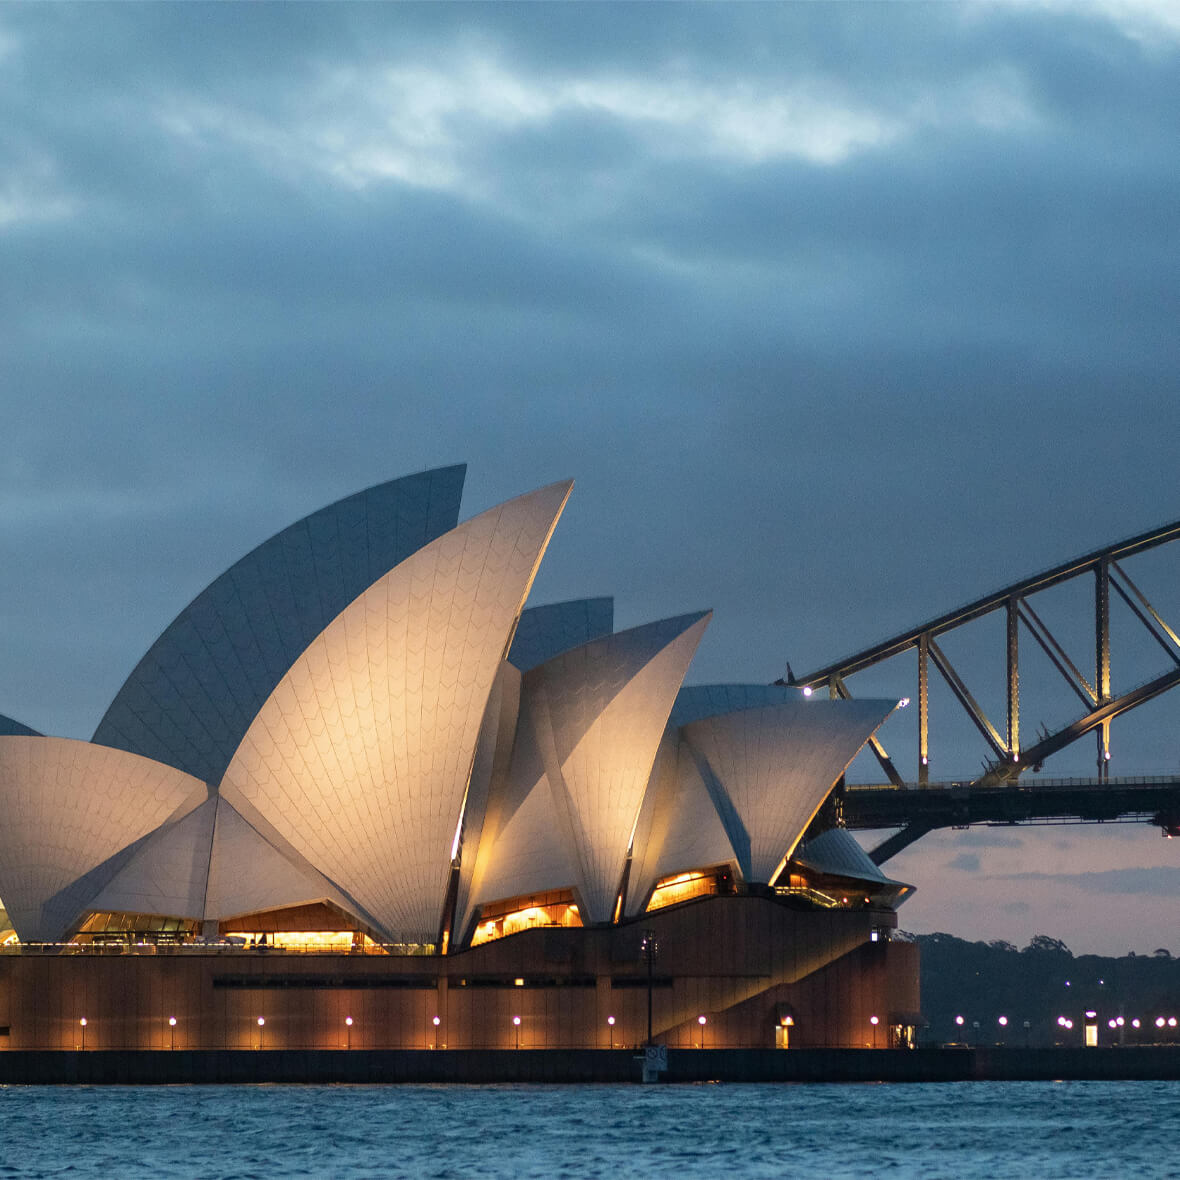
x,y
968,1131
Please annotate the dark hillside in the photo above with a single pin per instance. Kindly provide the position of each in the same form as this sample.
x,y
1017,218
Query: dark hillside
x,y
982,982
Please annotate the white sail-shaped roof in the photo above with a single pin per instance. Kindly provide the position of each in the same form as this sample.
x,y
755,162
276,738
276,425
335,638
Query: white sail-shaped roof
x,y
169,871
837,852
599,712
679,828
192,697
522,847
769,768
72,813
547,631
248,873
360,758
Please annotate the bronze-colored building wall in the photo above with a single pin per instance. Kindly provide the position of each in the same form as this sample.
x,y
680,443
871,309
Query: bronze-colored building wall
x,y
735,960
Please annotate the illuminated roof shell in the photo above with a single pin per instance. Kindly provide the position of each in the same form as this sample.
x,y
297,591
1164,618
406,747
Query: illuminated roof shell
x,y
72,815
679,828
360,757
597,713
769,768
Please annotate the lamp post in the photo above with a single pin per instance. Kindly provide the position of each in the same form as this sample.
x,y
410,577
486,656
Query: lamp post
x,y
650,949
516,1024
172,1031
874,1021
436,1022
702,1022
82,1025
610,1020
261,1026
348,1032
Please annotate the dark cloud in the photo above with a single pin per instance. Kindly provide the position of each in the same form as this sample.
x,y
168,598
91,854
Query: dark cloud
x,y
1156,881
966,862
838,315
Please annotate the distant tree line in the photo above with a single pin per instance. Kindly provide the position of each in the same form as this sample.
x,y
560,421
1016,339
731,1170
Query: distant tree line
x,y
1042,983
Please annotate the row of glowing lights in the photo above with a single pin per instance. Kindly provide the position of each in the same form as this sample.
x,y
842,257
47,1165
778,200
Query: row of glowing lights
x,y
1066,1023
436,1021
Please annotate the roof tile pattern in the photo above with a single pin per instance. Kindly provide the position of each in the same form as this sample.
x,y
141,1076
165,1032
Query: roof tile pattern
x,y
768,769
192,697
169,871
247,873
69,808
679,828
522,847
599,712
360,757
837,852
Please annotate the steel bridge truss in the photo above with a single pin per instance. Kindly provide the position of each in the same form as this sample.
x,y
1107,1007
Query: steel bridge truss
x,y
1099,707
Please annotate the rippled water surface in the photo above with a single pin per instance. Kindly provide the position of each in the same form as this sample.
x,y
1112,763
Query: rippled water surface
x,y
976,1131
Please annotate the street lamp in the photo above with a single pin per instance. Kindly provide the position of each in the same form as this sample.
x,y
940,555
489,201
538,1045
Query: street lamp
x,y
651,948
348,1031
610,1020
82,1023
874,1021
516,1022
261,1026
172,1030
436,1022
702,1022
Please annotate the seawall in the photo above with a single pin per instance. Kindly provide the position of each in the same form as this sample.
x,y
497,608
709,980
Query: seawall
x,y
234,1066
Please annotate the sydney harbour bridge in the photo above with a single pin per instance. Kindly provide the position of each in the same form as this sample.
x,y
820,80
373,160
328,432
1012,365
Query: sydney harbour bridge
x,y
1011,786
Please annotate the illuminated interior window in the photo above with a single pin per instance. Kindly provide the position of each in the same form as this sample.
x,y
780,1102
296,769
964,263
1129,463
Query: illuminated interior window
x,y
340,942
313,928
684,887
103,927
501,918
829,891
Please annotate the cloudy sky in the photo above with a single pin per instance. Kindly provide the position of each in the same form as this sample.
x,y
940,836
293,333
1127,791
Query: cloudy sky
x,y
838,315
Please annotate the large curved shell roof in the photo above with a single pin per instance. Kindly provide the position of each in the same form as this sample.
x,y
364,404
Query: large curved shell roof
x,y
192,697
768,769
361,757
73,813
598,712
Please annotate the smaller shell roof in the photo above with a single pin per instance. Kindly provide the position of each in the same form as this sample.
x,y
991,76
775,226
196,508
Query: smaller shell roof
x,y
11,728
837,852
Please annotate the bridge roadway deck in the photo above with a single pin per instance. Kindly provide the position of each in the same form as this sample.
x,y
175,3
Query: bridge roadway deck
x,y
1066,800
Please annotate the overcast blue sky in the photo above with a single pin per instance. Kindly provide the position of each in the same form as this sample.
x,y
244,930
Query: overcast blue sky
x,y
838,315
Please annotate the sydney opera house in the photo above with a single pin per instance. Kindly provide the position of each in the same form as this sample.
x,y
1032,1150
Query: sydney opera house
x,y
359,792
